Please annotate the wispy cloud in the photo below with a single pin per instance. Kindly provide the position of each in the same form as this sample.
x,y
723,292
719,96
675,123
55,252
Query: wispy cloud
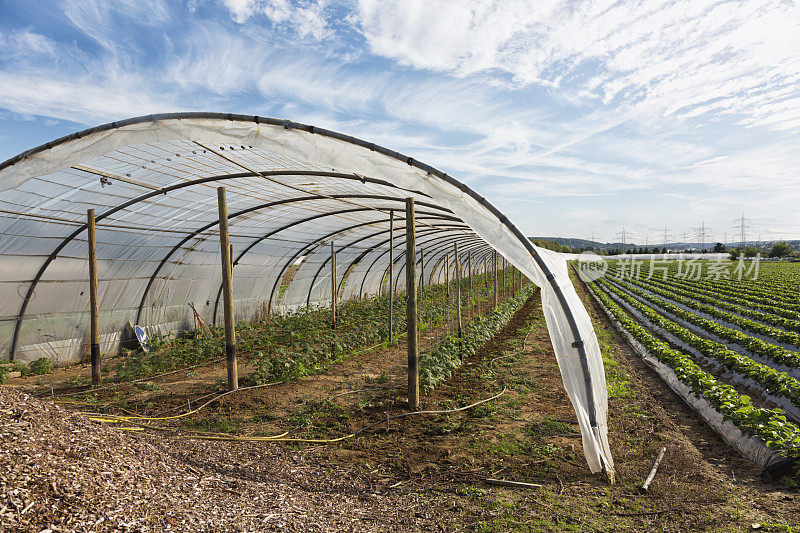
x,y
306,19
646,110
681,58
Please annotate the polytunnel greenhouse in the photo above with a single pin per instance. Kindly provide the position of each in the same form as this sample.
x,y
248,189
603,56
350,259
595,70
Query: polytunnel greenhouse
x,y
294,193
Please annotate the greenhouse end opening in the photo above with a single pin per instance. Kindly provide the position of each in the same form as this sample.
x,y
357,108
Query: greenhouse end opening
x,y
205,219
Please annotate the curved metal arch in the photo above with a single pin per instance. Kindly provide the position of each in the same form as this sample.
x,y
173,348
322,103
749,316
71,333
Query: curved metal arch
x,y
428,216
438,247
146,196
251,209
314,279
448,240
440,244
308,219
380,244
469,239
294,258
481,258
361,290
471,245
443,256
578,343
358,259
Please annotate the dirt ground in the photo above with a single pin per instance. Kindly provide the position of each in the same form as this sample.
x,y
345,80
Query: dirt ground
x,y
425,472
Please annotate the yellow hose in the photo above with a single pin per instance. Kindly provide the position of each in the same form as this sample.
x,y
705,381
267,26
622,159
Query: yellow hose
x,y
111,419
115,418
271,438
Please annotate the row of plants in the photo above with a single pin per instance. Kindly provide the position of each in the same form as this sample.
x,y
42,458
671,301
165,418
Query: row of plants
x,y
776,284
769,289
788,337
754,345
773,381
43,365
772,314
438,364
297,343
770,425
303,354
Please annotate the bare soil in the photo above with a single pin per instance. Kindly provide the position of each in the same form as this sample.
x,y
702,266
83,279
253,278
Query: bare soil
x,y
424,472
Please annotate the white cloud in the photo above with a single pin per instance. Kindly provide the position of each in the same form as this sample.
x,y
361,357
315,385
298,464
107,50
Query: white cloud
x,y
595,106
21,45
655,58
307,19
241,10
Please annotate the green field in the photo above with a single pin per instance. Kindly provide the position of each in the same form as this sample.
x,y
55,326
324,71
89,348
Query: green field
x,y
725,328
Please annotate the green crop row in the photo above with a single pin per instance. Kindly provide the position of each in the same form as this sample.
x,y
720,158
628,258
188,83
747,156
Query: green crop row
x,y
776,287
776,284
776,353
769,425
438,364
297,343
765,313
773,381
720,294
788,337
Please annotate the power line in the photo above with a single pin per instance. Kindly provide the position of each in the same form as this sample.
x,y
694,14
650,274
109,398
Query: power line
x,y
701,235
623,235
743,224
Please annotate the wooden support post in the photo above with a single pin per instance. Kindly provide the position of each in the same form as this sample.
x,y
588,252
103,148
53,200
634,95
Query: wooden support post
x,y
458,300
421,276
411,309
471,296
391,275
94,301
227,291
486,271
505,278
496,296
333,286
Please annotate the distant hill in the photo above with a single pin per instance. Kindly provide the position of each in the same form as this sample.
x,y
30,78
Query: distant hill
x,y
579,245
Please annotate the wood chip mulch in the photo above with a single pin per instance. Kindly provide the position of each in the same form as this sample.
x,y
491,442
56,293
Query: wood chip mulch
x,y
62,472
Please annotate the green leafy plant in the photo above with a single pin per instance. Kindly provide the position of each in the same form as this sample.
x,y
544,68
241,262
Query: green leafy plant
x,y
43,365
770,425
439,363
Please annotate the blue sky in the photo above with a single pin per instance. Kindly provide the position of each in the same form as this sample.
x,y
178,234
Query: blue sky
x,y
575,118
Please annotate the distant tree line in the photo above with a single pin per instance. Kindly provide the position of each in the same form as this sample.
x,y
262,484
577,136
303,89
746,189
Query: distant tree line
x,y
781,249
552,245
